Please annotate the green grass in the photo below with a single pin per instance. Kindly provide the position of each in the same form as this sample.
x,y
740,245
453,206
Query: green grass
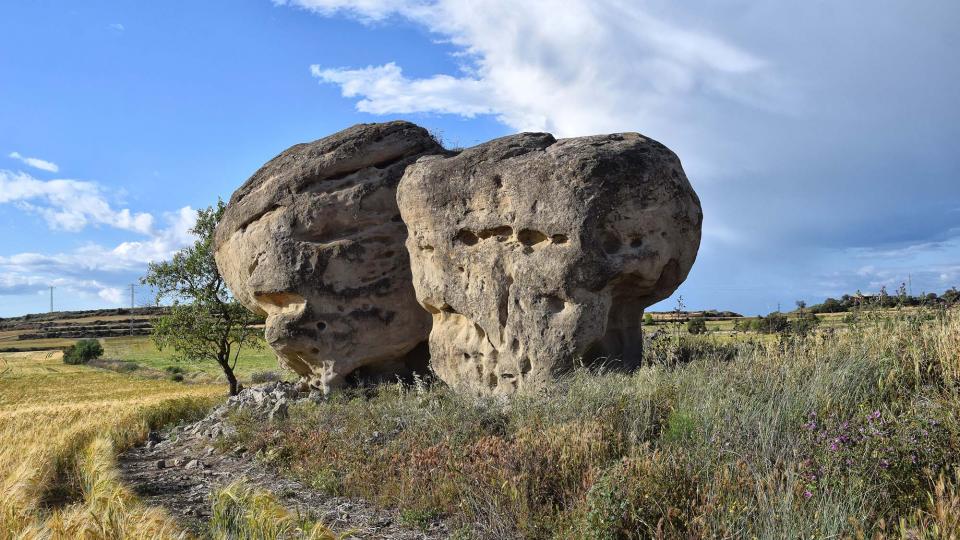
x,y
142,351
837,434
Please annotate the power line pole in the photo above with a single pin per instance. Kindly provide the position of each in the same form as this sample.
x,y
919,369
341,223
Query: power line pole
x,y
131,308
51,299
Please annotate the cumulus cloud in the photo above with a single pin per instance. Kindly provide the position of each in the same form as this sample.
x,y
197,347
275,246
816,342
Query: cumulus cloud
x,y
111,295
809,150
592,66
92,257
95,270
69,205
36,163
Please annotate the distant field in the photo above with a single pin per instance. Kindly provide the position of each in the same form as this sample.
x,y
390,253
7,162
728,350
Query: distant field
x,y
61,426
18,334
141,350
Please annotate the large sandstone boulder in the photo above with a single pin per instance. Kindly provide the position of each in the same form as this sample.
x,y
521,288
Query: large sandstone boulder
x,y
533,254
314,242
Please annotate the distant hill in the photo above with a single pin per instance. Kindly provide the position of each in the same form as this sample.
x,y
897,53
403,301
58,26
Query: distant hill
x,y
685,315
21,332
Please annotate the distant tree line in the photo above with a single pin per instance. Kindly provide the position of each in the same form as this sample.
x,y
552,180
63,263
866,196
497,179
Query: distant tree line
x,y
885,300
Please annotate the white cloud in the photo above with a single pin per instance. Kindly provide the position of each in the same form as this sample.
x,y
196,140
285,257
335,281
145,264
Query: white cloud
x,y
68,205
592,66
125,256
36,163
112,295
93,270
118,27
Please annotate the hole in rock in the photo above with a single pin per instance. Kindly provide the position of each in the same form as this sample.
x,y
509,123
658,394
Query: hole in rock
x,y
559,239
610,243
466,237
636,242
530,237
553,303
314,351
501,232
321,326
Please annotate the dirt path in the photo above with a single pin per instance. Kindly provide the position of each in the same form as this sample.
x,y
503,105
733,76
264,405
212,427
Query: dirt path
x,y
179,470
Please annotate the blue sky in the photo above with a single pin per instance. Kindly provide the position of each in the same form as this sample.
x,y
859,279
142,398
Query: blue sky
x,y
822,137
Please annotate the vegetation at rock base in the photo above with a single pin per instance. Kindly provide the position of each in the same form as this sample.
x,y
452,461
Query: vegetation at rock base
x,y
833,433
205,321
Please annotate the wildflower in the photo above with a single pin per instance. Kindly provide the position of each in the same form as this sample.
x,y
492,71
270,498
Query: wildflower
x,y
807,494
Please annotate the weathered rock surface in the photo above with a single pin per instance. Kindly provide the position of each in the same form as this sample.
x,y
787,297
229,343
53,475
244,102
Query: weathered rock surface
x,y
533,253
314,241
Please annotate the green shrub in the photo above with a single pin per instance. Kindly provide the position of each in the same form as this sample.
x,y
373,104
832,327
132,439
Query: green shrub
x,y
648,496
82,352
773,323
697,325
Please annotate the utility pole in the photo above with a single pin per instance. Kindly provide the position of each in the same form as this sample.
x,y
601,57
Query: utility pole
x,y
131,308
51,299
910,283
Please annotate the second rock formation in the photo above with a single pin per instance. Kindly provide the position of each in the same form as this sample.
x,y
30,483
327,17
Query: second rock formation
x,y
533,254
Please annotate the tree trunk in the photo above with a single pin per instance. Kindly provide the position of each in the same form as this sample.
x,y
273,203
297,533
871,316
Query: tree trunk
x,y
223,358
234,385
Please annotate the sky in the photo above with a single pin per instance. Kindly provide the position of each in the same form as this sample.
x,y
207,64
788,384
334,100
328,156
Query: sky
x,y
823,138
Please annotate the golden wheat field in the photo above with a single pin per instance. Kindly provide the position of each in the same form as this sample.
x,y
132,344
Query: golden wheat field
x,y
60,429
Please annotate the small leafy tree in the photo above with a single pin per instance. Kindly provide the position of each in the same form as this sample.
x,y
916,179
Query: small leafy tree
x,y
204,321
773,323
697,325
82,352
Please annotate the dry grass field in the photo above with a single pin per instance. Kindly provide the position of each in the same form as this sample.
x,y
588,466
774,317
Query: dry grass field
x,y
839,433
61,427
850,431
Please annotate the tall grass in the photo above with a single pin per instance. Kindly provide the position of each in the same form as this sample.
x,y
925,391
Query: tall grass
x,y
242,511
61,426
842,432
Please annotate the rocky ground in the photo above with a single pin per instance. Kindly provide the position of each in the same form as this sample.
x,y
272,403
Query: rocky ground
x,y
179,469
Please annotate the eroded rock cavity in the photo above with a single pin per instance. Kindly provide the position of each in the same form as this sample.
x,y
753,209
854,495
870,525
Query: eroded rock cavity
x,y
314,241
533,253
